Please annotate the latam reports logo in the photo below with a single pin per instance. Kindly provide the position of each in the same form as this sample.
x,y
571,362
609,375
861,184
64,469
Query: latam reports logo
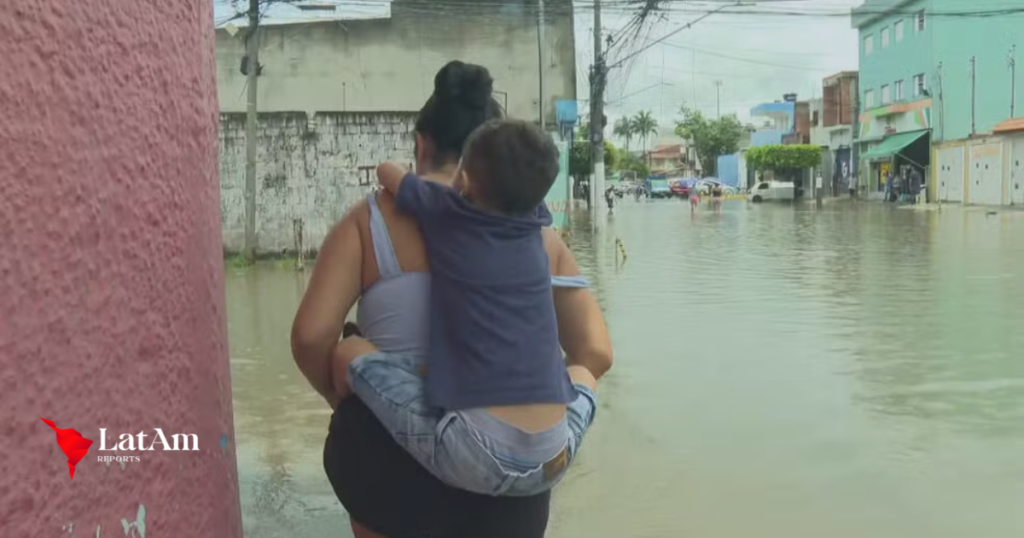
x,y
72,443
75,446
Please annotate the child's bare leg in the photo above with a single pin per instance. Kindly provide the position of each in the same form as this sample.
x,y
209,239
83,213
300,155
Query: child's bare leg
x,y
347,350
581,376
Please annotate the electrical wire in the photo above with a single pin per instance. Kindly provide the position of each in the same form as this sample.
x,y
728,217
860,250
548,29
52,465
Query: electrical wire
x,y
650,8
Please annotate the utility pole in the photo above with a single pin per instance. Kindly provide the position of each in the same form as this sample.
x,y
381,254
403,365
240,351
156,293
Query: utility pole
x,y
253,68
718,88
942,106
540,61
597,81
1013,80
974,86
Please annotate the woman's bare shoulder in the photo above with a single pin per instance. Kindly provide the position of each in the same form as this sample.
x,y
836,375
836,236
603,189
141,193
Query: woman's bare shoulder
x,y
355,218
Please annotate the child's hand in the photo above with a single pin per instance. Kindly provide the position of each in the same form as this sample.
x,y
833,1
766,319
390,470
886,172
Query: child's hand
x,y
390,175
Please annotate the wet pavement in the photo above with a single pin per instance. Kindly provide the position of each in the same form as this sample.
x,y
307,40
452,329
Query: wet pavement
x,y
781,372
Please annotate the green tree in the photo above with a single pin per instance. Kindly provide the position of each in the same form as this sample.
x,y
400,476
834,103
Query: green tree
x,y
580,155
624,129
711,138
644,125
629,164
787,160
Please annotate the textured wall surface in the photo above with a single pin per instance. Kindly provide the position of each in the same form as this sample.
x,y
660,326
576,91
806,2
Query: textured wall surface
x,y
308,170
111,278
389,64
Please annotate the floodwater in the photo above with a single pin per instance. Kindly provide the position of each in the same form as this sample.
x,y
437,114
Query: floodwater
x,y
780,372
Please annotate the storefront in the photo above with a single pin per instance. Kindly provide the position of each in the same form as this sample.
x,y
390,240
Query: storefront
x,y
900,154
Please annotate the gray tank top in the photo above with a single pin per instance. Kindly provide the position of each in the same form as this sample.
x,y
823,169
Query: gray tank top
x,y
393,312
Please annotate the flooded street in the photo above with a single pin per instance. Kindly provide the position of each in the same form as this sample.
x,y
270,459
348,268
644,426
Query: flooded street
x,y
780,373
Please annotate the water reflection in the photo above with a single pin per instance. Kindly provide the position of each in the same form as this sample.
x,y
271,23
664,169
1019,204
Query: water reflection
x,y
280,424
854,371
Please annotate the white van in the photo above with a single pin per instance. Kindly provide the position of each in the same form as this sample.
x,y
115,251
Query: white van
x,y
774,191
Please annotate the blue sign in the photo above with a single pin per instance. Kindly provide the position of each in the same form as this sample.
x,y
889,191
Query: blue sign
x,y
565,111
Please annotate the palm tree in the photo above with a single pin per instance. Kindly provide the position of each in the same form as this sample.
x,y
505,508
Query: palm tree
x,y
624,129
644,125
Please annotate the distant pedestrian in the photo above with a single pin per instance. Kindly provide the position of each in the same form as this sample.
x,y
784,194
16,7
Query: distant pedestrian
x,y
915,185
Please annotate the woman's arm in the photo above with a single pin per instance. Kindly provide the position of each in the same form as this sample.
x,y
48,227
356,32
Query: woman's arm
x,y
581,327
333,289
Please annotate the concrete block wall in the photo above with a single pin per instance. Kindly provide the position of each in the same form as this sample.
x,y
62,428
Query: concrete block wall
x,y
308,169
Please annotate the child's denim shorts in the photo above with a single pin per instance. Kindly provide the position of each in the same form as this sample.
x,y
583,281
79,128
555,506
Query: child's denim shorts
x,y
469,449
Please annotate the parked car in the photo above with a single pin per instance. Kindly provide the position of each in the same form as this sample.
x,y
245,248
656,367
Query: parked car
x,y
658,188
765,191
681,187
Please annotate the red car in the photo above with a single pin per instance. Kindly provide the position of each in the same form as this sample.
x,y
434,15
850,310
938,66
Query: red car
x,y
681,188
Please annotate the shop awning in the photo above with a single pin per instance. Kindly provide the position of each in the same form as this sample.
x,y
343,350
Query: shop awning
x,y
893,145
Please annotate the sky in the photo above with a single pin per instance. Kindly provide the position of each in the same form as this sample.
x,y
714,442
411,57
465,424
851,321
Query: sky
x,y
757,57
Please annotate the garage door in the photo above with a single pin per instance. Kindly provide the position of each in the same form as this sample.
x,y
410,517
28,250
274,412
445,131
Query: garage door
x,y
951,174
1017,171
986,174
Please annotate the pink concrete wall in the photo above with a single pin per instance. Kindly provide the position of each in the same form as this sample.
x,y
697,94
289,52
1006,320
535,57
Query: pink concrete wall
x,y
111,285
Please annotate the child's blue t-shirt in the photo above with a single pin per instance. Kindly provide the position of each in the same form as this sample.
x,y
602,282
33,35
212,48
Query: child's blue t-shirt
x,y
493,331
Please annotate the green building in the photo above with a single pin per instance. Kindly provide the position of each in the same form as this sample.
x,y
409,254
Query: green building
x,y
932,71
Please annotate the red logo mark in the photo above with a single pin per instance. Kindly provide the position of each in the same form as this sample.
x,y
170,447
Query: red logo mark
x,y
72,443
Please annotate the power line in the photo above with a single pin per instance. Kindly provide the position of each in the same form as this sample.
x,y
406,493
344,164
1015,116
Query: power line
x,y
630,7
739,58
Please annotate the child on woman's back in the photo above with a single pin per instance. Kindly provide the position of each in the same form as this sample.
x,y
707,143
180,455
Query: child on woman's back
x,y
497,412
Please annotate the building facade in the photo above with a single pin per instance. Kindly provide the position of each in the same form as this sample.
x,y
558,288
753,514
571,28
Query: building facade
x,y
779,120
338,93
897,73
832,119
387,64
927,79
673,160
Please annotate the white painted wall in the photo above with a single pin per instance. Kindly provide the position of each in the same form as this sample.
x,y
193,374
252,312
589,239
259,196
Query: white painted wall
x,y
986,173
389,64
819,134
950,178
840,136
1016,182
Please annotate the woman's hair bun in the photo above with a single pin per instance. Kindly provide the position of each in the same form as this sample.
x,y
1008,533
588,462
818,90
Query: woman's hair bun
x,y
459,83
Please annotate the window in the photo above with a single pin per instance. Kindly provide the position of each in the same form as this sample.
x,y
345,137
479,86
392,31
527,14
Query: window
x,y
869,44
919,86
869,99
885,37
899,31
920,21
899,91
886,94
